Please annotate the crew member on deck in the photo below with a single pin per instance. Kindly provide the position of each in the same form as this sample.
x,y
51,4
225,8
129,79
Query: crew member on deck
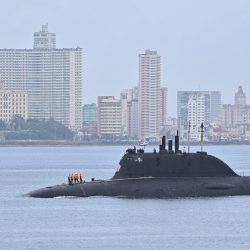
x,y
75,178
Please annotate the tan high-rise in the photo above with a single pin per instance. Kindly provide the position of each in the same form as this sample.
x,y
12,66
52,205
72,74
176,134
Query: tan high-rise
x,y
149,93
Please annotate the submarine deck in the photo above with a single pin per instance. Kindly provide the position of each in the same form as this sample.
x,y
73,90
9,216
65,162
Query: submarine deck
x,y
151,187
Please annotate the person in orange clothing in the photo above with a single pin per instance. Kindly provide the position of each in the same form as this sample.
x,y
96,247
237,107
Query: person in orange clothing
x,y
72,178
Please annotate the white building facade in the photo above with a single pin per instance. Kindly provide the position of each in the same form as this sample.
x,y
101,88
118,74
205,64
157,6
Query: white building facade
x,y
208,105
196,114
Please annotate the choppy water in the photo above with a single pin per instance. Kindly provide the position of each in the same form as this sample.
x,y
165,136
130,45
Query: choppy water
x,y
111,223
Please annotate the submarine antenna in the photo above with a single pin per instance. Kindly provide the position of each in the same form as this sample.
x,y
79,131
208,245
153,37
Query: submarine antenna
x,y
189,125
202,131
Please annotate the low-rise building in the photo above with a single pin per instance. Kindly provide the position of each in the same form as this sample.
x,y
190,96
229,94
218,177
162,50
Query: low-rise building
x,y
109,117
13,104
89,114
236,117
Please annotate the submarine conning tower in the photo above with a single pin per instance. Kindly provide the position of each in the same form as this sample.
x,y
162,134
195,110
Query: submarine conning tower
x,y
171,163
162,147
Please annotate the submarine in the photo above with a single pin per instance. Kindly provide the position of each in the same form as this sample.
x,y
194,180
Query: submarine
x,y
168,173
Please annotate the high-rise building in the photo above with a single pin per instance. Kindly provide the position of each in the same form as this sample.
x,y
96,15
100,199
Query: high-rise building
x,y
133,128
13,104
125,97
163,108
44,39
212,109
196,114
228,115
240,97
133,118
51,77
109,117
149,93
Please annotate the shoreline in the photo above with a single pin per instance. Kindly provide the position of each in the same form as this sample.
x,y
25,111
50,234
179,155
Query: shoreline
x,y
53,143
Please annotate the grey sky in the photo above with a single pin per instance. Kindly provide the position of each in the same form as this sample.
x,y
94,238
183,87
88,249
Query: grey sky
x,y
204,45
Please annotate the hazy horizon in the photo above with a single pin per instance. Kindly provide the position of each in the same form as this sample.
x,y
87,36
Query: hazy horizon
x,y
204,45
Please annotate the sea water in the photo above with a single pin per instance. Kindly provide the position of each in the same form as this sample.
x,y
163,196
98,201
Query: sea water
x,y
106,222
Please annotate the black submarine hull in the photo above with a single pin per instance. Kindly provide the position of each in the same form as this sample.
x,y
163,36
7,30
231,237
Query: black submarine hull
x,y
152,187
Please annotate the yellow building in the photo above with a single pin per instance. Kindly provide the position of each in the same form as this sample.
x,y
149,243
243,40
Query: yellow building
x,y
13,103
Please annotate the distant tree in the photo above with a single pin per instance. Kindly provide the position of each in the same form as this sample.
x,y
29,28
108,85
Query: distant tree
x,y
19,129
17,123
109,137
48,130
2,125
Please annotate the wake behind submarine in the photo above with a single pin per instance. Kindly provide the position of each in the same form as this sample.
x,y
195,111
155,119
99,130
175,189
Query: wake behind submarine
x,y
165,174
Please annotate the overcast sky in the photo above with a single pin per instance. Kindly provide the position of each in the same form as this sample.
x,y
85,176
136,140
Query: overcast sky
x,y
204,45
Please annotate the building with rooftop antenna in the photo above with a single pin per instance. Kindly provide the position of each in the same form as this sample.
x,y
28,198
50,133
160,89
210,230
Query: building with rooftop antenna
x,y
236,117
240,97
44,39
51,77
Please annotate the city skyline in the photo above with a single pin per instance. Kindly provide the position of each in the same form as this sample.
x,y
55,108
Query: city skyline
x,y
203,45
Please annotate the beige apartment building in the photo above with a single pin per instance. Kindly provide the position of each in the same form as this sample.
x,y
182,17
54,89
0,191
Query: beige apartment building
x,y
12,104
109,116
